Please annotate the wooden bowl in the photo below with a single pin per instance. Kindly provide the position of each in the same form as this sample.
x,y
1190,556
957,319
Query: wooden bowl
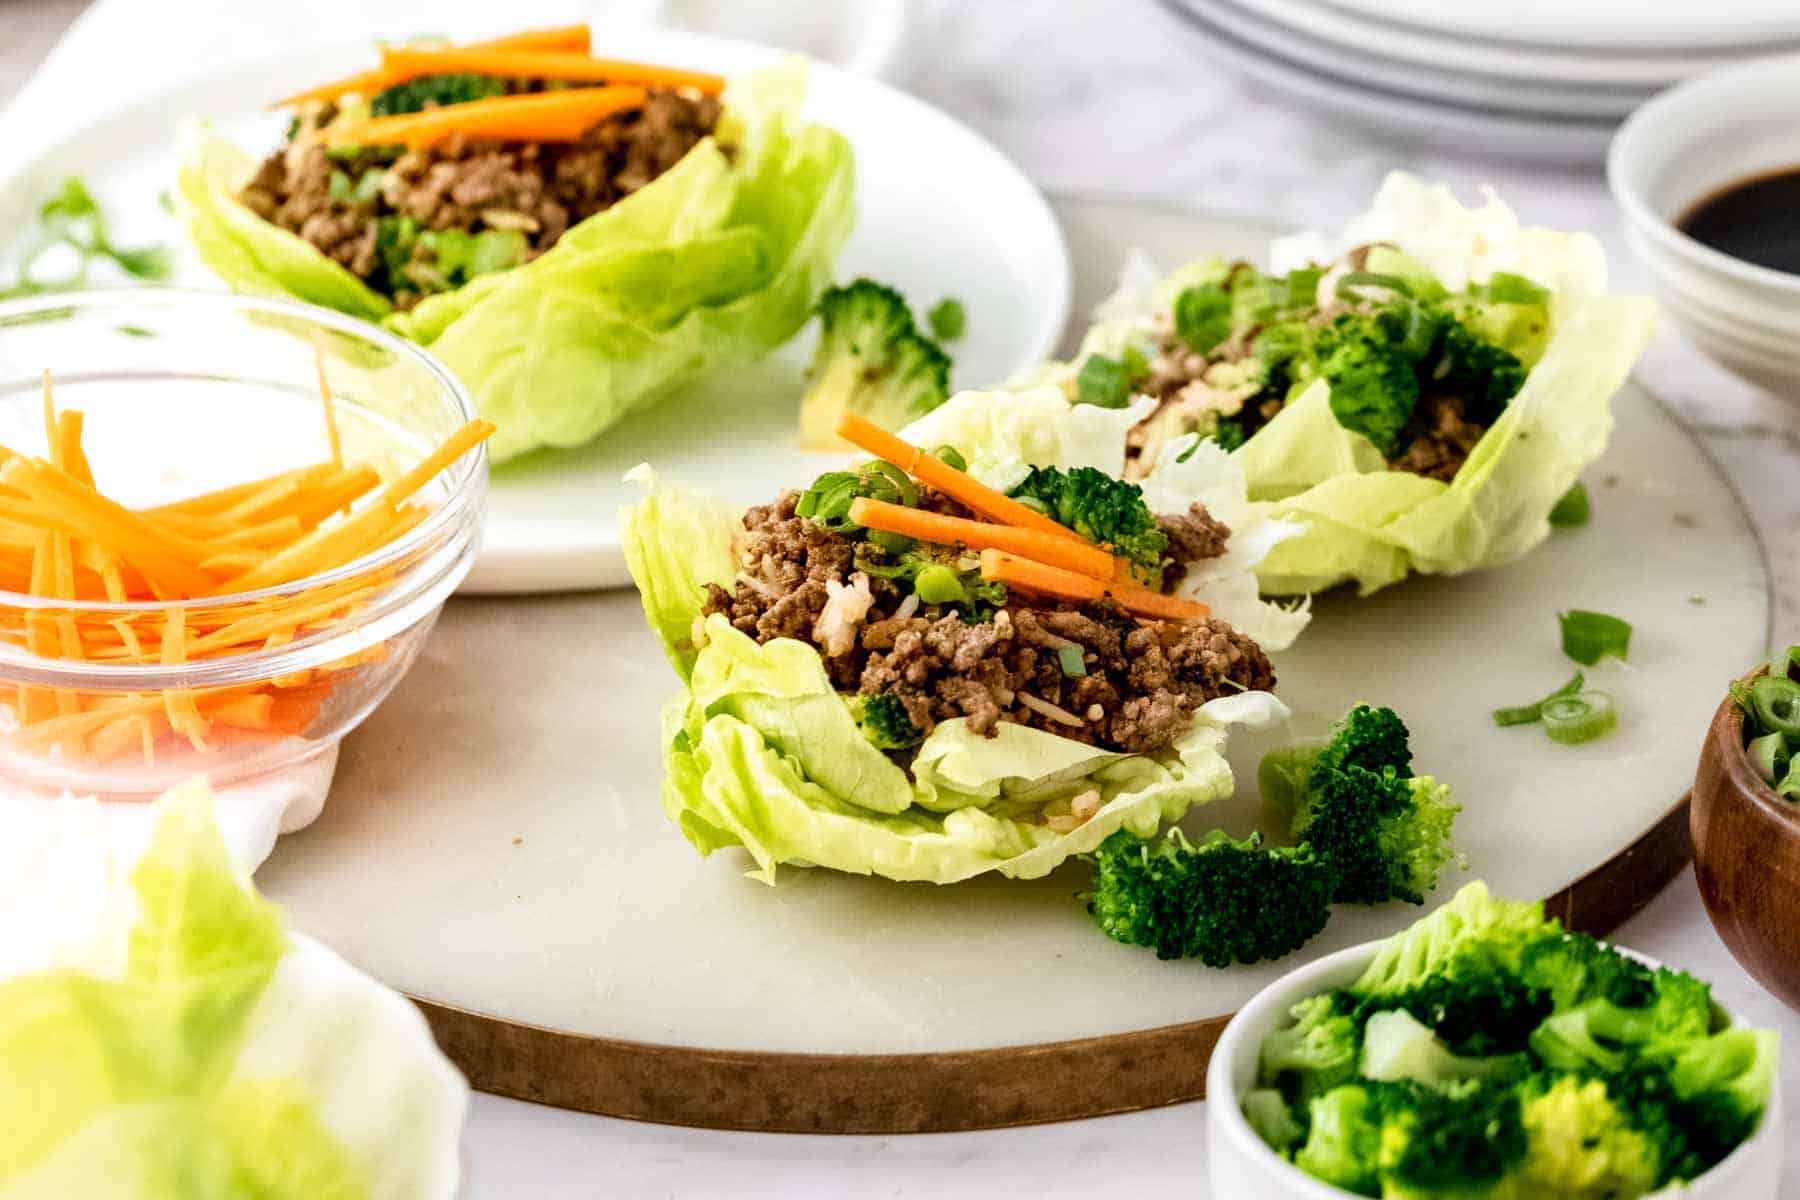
x,y
1747,858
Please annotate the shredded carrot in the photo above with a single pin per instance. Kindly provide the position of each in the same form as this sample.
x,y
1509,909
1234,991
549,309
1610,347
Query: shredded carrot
x,y
61,539
561,116
983,535
568,39
400,63
1045,580
931,470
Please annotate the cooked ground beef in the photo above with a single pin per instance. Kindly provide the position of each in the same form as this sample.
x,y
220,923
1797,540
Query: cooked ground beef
x,y
1438,441
1144,678
471,185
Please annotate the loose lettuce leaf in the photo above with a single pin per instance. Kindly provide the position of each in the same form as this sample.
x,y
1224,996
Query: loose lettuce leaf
x,y
717,261
179,1043
1365,523
760,752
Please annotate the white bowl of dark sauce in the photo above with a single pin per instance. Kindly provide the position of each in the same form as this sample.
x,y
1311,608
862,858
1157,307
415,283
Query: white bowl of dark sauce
x,y
1707,175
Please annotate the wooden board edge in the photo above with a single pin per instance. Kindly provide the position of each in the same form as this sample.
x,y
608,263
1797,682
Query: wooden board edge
x,y
928,1093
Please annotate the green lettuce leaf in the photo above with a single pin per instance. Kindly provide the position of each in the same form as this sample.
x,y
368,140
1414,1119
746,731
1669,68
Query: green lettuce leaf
x,y
761,753
1365,523
184,1045
717,261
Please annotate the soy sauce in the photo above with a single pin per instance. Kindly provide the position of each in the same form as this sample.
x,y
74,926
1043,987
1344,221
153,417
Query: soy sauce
x,y
1755,219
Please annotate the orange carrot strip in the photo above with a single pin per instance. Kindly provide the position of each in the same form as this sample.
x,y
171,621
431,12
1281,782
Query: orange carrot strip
x,y
931,470
70,455
213,502
317,552
281,491
276,532
561,116
454,447
568,39
403,62
184,714
335,495
1044,580
242,711
982,535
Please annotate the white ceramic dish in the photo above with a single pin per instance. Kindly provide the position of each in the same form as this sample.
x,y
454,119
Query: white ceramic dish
x,y
942,212
1682,146
1427,81
1609,26
1541,63
1242,1165
1460,129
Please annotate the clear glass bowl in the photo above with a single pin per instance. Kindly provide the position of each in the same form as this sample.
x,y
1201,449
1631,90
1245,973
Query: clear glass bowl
x,y
184,393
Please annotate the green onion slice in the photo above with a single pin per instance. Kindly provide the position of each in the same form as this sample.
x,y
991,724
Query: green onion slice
x,y
1587,637
893,543
1580,717
1069,658
950,456
1777,702
1789,787
1571,512
1769,755
1529,714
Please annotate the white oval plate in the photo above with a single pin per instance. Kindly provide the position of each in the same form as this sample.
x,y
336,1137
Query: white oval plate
x,y
941,213
1608,26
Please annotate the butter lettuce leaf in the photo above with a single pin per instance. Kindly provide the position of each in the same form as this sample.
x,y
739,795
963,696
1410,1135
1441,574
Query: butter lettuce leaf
x,y
760,752
1362,522
719,260
178,1042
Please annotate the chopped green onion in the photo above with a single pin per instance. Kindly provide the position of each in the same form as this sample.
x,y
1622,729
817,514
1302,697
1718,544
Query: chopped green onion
x,y
1034,503
879,480
1770,756
939,584
1571,512
893,543
1069,658
1776,700
1789,787
1587,637
1581,717
1303,286
1503,287
1203,316
947,319
951,457
1349,283
1107,382
1528,714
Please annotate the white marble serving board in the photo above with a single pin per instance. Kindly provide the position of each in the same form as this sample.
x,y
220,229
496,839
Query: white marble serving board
x,y
495,841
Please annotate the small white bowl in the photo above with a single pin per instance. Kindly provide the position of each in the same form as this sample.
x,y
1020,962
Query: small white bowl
x,y
1712,131
1242,1165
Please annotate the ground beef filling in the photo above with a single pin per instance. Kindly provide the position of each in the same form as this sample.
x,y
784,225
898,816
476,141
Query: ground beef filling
x,y
1144,678
471,185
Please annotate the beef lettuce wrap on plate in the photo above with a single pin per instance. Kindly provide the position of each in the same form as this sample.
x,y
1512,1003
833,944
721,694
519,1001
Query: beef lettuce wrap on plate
x,y
576,238
975,650
1418,390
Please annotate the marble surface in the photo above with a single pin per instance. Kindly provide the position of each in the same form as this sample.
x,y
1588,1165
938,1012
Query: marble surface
x,y
1088,95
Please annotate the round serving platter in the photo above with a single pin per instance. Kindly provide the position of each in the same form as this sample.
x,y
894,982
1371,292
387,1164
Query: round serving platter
x,y
936,204
494,845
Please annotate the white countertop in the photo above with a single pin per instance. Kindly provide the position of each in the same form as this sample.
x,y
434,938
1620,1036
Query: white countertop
x,y
1088,95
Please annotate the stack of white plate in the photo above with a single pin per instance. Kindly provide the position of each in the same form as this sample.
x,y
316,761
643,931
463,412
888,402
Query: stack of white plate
x,y
1545,80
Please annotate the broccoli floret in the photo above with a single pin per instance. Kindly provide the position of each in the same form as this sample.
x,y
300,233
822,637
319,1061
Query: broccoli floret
x,y
1623,1009
1444,1144
1101,509
1315,1054
1484,375
871,361
884,721
429,91
1372,366
1384,831
1721,1085
1218,900
1583,1144
1268,1113
1343,1137
1397,1045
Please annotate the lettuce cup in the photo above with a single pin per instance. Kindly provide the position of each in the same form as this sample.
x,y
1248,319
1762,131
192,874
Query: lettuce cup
x,y
976,650
1418,390
576,238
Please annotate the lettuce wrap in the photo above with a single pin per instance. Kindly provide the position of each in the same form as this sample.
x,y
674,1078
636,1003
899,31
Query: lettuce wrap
x,y
718,260
762,752
162,1035
1536,294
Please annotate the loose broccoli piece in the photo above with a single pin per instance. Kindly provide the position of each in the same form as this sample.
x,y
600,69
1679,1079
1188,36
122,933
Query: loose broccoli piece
x,y
947,319
884,721
1101,509
871,361
1384,831
1217,900
434,91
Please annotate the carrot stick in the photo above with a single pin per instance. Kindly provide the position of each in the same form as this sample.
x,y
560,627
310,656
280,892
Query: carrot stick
x,y
1045,580
213,502
567,39
403,62
70,456
459,443
541,117
982,535
935,472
